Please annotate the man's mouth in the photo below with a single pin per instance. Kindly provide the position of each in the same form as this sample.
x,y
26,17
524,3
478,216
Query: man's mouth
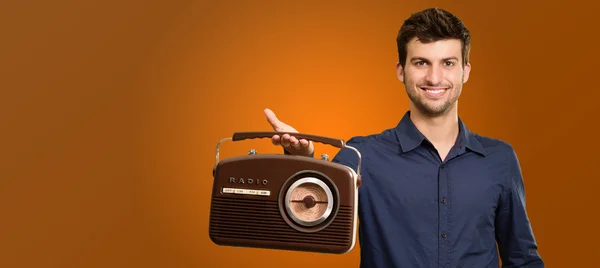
x,y
434,92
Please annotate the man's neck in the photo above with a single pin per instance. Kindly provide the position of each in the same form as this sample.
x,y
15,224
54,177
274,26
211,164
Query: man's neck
x,y
441,130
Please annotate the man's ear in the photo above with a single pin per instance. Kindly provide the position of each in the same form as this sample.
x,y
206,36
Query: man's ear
x,y
400,72
466,72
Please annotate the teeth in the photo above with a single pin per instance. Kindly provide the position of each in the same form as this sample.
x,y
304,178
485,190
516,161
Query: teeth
x,y
435,91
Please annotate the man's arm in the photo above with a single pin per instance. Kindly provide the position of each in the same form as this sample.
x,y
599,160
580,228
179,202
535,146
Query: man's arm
x,y
349,157
514,235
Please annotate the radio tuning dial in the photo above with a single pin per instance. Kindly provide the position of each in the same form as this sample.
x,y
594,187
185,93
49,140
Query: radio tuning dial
x,y
252,152
309,201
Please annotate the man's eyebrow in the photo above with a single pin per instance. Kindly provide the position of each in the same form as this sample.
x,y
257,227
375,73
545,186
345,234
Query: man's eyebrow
x,y
426,60
450,58
419,59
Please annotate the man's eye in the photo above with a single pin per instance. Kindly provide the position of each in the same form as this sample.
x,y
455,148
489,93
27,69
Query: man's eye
x,y
448,63
420,63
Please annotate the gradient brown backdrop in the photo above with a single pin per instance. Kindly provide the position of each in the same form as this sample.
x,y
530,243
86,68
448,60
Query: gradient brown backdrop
x,y
111,111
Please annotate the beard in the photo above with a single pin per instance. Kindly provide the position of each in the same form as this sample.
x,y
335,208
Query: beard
x,y
430,107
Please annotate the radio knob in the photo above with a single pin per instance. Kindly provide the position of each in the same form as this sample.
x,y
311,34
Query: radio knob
x,y
324,157
251,152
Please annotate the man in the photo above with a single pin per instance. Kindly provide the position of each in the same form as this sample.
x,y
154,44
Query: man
x,y
433,193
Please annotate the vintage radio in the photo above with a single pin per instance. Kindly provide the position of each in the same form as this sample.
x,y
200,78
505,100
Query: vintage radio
x,y
285,202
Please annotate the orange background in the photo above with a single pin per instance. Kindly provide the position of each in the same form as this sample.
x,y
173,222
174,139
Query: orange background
x,y
111,111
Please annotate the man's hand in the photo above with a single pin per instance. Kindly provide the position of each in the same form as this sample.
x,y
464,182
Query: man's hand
x,y
290,143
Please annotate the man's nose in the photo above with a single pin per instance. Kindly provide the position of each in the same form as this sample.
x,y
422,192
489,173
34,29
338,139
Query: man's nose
x,y
434,75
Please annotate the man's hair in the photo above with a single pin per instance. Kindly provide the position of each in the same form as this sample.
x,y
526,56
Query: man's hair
x,y
430,25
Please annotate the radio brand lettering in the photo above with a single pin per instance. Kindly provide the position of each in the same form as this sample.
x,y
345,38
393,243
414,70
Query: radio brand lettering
x,y
247,181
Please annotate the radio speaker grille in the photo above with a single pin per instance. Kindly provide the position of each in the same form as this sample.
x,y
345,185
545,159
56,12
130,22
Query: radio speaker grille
x,y
261,220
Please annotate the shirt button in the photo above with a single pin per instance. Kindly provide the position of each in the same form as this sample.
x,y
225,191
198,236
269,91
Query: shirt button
x,y
442,166
443,200
444,234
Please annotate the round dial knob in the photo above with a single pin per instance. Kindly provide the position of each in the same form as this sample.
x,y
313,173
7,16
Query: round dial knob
x,y
309,201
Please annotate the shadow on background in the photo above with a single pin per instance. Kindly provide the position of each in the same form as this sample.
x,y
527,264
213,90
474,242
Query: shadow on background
x,y
111,111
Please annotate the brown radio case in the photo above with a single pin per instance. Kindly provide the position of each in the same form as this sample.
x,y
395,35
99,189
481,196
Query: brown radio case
x,y
285,202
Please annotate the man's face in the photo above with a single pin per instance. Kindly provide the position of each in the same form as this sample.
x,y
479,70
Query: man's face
x,y
433,75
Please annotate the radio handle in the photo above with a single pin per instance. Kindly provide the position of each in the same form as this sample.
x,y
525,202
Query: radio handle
x,y
239,136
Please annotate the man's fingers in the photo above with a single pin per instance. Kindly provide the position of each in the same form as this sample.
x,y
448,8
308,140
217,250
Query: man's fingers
x,y
285,140
276,140
273,120
304,143
294,142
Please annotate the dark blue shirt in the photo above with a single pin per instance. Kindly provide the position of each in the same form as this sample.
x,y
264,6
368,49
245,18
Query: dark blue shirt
x,y
416,210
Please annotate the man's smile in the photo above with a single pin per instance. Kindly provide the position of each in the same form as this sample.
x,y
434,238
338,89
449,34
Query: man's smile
x,y
434,92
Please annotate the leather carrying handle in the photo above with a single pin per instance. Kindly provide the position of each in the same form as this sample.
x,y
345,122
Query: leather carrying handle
x,y
239,136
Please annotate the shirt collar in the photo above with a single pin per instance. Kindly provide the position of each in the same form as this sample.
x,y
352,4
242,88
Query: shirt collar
x,y
410,137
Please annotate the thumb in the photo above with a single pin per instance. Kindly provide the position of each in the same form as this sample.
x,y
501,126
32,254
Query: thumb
x,y
272,119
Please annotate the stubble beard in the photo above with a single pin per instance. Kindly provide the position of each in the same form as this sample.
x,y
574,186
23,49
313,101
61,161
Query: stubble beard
x,y
433,109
